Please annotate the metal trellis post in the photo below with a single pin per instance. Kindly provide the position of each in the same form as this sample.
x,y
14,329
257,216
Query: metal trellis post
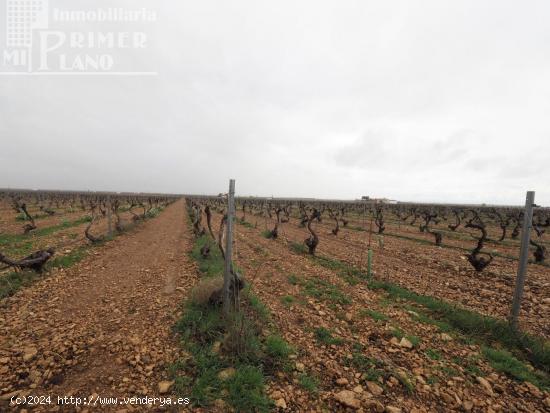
x,y
524,251
227,280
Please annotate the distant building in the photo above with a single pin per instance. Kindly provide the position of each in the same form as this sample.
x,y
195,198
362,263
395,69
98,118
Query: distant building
x,y
378,200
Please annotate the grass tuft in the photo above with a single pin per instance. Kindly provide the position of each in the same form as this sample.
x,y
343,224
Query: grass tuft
x,y
372,369
298,248
277,348
245,224
293,279
246,390
433,354
257,305
308,383
216,344
153,212
324,336
287,300
18,245
68,260
213,264
504,362
486,329
375,315
267,234
11,282
324,291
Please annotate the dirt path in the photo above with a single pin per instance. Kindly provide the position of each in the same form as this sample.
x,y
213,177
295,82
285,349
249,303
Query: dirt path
x,y
102,327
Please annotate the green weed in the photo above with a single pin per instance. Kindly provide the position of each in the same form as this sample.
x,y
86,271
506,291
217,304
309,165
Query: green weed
x,y
324,336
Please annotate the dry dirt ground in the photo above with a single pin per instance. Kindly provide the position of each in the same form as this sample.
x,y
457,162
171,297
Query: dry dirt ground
x,y
63,239
103,326
444,373
10,225
441,272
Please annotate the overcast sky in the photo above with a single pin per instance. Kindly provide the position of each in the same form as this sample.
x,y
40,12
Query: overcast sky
x,y
445,101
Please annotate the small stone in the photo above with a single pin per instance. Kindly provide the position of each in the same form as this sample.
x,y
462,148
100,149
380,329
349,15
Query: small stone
x,y
467,405
29,353
392,409
373,406
35,376
342,381
226,373
393,381
486,385
446,337
405,343
347,398
358,389
447,398
281,403
300,367
276,395
164,386
134,340
374,388
348,316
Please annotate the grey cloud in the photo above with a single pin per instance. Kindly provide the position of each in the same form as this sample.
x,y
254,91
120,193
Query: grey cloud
x,y
370,150
409,100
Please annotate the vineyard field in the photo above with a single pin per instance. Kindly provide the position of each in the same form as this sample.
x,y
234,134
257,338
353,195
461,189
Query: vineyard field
x,y
340,306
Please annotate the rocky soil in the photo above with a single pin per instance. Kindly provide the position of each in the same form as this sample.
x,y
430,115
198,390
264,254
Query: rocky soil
x,y
441,272
438,372
103,326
